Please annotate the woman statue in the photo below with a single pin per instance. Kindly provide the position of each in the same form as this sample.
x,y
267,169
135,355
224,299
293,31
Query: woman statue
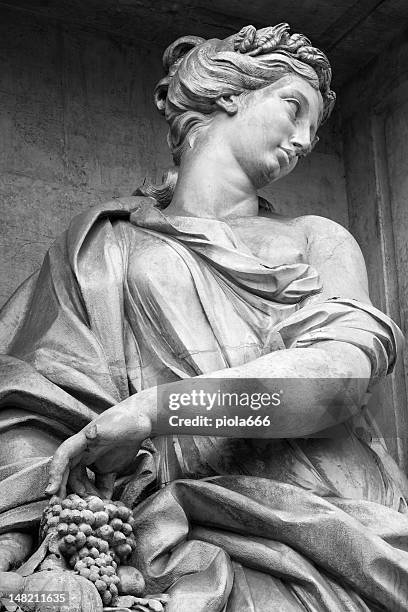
x,y
193,279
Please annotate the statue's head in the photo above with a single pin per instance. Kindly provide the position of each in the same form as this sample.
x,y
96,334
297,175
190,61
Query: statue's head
x,y
206,77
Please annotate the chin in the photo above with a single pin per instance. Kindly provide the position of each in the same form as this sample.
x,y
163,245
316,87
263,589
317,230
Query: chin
x,y
267,173
287,169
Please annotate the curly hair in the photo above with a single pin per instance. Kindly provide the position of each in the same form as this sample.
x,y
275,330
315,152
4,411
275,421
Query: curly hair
x,y
199,71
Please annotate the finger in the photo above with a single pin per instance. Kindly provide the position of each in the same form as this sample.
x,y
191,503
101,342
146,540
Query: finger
x,y
62,491
79,482
105,484
70,451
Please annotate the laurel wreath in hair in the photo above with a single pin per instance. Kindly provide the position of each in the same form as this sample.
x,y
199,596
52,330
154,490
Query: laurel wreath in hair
x,y
253,41
278,38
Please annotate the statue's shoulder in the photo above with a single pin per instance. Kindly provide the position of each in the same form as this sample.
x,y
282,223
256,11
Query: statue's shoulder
x,y
336,255
317,227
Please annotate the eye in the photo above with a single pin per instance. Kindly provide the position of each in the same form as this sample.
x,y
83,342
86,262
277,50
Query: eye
x,y
294,106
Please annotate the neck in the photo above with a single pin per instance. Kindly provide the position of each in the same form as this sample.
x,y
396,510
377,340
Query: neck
x,y
211,184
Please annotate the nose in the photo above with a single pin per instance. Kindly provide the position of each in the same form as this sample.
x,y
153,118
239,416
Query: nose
x,y
301,140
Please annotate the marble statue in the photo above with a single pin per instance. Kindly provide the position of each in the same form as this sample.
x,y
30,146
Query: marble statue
x,y
196,278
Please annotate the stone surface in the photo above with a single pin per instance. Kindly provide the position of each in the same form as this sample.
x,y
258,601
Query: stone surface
x,y
352,32
375,128
78,127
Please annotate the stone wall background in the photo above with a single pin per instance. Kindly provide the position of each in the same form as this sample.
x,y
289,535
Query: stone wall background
x,y
78,127
375,132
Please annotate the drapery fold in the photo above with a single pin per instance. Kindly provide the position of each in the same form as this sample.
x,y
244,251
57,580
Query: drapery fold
x,y
321,554
127,299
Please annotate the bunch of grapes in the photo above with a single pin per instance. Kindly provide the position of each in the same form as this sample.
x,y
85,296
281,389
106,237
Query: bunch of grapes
x,y
95,536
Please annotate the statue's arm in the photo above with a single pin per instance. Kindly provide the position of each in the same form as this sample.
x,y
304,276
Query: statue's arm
x,y
108,441
336,256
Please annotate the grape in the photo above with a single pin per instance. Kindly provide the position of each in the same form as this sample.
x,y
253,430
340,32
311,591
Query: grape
x,y
88,516
131,542
94,569
101,518
54,500
100,562
80,565
94,552
123,550
67,503
126,529
76,516
75,501
124,513
83,552
111,509
85,528
103,546
101,586
62,529
118,538
114,590
108,570
74,497
80,539
57,509
65,515
89,561
93,577
52,522
72,529
81,504
95,504
116,524
69,540
91,541
105,532
85,572
106,598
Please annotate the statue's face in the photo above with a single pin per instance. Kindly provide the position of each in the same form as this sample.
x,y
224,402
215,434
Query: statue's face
x,y
272,127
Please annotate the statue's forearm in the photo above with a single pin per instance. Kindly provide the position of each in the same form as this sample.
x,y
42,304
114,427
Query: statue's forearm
x,y
338,375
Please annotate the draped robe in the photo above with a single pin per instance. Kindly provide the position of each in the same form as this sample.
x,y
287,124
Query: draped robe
x,y
242,524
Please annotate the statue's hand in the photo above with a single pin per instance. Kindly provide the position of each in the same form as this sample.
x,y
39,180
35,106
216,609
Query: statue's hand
x,y
107,445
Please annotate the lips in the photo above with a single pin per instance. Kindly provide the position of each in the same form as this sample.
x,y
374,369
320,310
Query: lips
x,y
287,154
